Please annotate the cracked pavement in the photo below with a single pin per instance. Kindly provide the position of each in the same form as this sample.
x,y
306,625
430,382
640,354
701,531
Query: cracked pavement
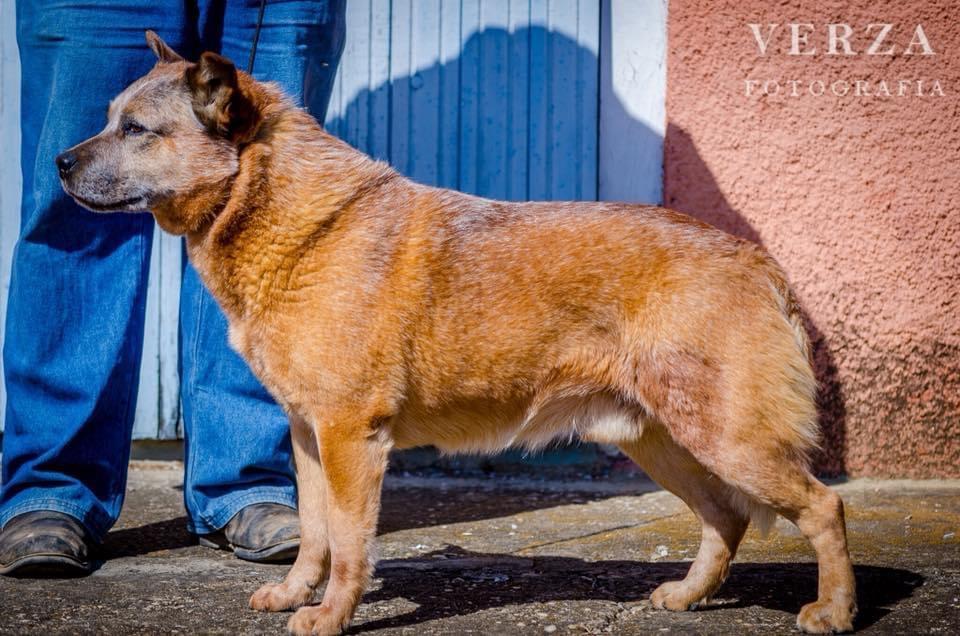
x,y
515,555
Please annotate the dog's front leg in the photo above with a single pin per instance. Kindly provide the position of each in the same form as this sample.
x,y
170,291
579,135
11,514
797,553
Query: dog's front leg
x,y
353,451
310,568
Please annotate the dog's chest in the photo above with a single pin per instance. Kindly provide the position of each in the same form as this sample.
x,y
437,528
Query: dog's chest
x,y
251,344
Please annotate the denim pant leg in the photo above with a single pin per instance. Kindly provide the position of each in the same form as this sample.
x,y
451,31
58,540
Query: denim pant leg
x,y
237,439
76,301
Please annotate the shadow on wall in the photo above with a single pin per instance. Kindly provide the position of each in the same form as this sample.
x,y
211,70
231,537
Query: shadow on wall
x,y
495,144
705,200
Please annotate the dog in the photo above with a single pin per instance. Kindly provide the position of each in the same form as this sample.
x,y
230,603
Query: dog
x,y
381,314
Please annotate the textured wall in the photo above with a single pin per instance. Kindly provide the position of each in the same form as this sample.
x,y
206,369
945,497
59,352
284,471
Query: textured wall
x,y
857,197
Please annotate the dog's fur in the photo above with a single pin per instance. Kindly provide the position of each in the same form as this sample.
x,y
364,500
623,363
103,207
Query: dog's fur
x,y
382,313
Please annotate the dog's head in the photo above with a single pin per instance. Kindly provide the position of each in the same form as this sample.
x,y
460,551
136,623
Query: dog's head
x,y
173,135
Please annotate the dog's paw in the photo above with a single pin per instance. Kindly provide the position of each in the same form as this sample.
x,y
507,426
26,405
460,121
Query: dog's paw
x,y
276,597
826,617
317,620
674,596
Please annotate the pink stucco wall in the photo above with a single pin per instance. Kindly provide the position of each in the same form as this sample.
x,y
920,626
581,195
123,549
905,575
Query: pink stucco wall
x,y
857,197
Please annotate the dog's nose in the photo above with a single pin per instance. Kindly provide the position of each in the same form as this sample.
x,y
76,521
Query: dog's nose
x,y
66,161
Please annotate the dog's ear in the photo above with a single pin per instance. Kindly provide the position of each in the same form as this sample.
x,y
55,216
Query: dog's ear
x,y
165,55
218,101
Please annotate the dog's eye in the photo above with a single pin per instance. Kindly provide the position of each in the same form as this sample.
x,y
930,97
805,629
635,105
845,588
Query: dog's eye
x,y
133,128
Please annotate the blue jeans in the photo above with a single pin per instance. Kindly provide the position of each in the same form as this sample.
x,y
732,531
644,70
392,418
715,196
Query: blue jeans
x,y
75,318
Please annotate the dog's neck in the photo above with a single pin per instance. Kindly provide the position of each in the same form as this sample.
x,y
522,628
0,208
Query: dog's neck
x,y
249,223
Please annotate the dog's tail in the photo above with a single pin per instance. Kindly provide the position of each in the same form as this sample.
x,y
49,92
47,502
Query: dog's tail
x,y
762,516
790,308
797,421
800,406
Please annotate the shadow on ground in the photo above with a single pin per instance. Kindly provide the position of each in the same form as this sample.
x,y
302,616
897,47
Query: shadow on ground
x,y
511,556
454,582
395,515
169,534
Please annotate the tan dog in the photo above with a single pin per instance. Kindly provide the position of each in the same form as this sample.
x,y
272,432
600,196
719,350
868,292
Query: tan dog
x,y
382,313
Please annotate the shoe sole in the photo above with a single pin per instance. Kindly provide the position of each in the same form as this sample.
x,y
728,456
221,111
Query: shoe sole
x,y
46,566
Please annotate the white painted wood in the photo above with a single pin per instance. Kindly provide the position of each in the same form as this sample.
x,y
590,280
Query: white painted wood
x,y
518,102
448,124
146,424
359,108
10,178
158,396
588,58
170,273
633,84
563,95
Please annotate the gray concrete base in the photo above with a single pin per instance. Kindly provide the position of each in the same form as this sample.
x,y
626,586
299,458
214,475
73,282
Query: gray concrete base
x,y
515,556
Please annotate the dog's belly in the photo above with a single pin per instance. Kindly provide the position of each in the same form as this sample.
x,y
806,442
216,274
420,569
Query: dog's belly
x,y
490,427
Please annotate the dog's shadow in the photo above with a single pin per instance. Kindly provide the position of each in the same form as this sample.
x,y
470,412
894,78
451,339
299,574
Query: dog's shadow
x,y
480,581
454,582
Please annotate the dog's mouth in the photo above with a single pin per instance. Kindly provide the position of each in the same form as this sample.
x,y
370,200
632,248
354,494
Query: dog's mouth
x,y
133,203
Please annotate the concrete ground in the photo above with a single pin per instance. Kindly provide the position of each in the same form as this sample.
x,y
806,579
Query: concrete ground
x,y
515,556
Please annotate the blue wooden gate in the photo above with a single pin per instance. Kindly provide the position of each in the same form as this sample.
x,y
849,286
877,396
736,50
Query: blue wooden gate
x,y
498,98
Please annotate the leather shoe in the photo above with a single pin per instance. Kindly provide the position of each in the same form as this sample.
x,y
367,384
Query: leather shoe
x,y
263,532
44,543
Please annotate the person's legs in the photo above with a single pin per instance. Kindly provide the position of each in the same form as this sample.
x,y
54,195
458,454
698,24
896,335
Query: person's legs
x,y
76,301
237,445
238,440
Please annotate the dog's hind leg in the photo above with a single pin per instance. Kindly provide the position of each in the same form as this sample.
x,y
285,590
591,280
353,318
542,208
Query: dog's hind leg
x,y
790,489
723,523
313,558
754,436
819,515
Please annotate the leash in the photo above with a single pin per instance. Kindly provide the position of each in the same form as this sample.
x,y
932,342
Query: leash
x,y
256,37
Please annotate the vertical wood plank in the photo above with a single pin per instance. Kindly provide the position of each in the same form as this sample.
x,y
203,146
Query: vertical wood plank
x,y
334,123
563,128
170,275
588,95
563,148
360,105
494,98
448,127
469,142
540,109
146,423
401,65
348,103
518,105
632,100
380,42
423,85
158,394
